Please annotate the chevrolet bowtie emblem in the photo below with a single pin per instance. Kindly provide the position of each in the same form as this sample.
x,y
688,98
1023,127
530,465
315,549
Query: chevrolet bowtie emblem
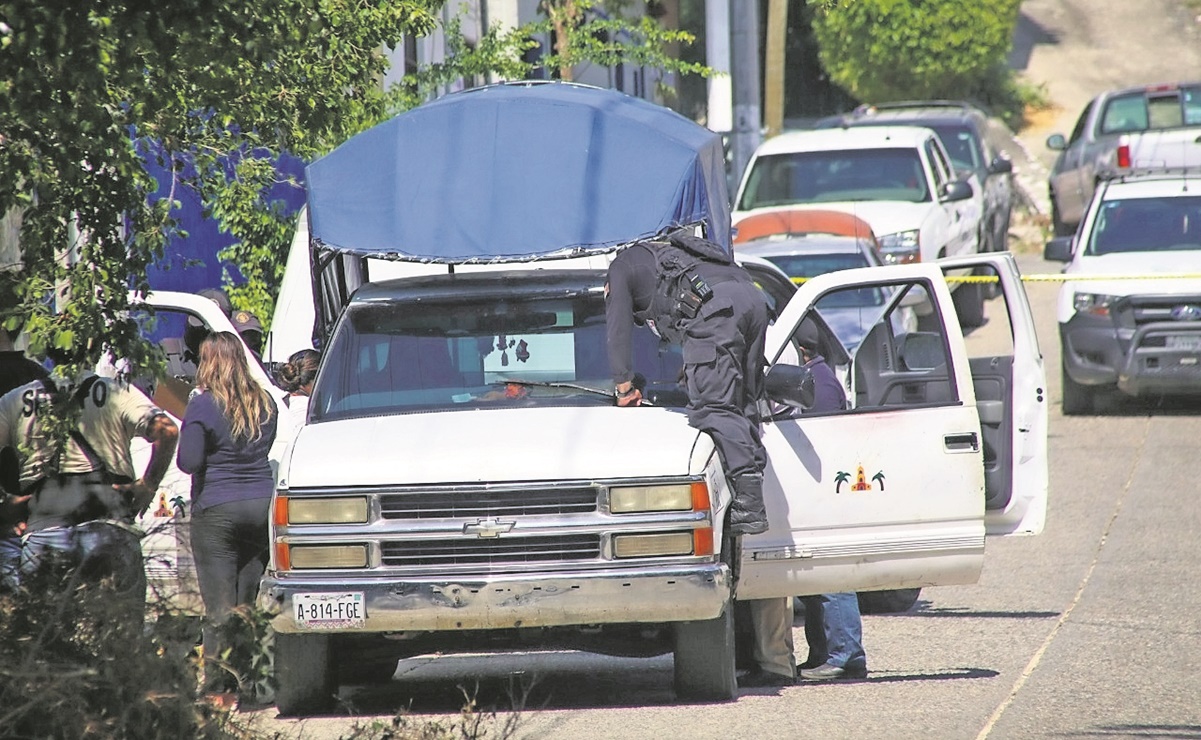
x,y
488,528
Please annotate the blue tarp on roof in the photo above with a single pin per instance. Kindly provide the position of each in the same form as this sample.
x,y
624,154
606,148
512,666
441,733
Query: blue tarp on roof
x,y
518,171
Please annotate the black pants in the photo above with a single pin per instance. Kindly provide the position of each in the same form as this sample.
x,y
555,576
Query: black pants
x,y
230,544
723,372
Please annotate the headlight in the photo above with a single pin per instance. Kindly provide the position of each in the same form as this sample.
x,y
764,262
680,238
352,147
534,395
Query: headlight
x,y
652,545
674,497
901,248
328,556
1094,304
349,510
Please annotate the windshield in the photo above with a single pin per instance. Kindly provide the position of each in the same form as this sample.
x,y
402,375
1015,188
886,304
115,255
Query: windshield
x,y
1147,225
830,177
436,355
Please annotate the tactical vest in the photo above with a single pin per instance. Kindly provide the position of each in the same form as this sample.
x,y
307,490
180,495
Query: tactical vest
x,y
680,288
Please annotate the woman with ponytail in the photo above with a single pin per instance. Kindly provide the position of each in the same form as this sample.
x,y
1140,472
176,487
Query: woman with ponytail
x,y
227,431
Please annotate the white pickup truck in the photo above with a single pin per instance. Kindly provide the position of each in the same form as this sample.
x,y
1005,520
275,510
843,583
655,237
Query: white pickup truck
x,y
466,480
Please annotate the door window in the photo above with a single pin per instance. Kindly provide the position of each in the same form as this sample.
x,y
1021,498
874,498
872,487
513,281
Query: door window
x,y
897,364
942,170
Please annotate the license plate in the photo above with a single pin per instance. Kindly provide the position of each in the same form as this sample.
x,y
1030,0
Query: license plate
x,y
329,611
1187,342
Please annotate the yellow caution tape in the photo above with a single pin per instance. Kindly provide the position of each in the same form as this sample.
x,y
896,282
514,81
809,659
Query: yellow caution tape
x,y
1059,278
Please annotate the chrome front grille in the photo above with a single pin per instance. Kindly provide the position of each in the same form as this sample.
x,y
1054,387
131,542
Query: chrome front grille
x,y
504,551
489,503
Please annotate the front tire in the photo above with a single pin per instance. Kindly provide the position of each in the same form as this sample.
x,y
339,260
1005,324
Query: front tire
x,y
304,674
1057,224
704,659
1077,399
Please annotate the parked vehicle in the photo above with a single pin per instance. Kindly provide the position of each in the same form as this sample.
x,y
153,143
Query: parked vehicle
x,y
850,314
964,131
1121,130
897,178
527,508
1126,323
800,221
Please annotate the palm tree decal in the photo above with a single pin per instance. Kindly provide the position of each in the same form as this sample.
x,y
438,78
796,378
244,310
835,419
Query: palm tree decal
x,y
839,479
879,477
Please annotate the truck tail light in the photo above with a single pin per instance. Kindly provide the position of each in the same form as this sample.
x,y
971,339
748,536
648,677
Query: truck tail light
x,y
1124,153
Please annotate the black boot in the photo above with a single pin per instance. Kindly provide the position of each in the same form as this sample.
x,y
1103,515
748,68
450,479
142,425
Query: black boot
x,y
747,514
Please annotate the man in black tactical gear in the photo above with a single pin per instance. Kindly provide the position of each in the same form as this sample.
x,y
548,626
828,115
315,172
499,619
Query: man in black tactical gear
x,y
689,291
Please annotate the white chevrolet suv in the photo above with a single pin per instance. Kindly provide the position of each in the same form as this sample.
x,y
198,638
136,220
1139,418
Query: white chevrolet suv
x,y
897,178
1130,314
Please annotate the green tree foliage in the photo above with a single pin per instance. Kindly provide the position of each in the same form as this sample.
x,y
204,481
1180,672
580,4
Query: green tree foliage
x,y
218,85
883,50
215,91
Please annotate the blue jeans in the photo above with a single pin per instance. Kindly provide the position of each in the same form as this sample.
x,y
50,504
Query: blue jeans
x,y
97,549
834,630
10,561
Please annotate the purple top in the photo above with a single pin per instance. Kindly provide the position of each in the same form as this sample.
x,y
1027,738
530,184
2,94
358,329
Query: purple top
x,y
223,469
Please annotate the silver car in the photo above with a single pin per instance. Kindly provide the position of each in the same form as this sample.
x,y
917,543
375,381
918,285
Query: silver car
x,y
849,313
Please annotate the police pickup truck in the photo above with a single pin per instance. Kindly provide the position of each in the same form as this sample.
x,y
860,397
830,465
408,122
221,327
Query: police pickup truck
x,y
466,481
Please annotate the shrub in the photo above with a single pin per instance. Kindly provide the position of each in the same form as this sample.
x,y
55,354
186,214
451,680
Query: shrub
x,y
887,50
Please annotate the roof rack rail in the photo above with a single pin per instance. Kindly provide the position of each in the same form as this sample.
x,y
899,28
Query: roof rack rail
x,y
897,104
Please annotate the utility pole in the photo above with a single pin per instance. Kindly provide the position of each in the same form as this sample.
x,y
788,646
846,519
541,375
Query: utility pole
x,y
773,67
748,118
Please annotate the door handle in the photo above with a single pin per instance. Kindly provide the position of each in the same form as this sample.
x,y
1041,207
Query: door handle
x,y
966,442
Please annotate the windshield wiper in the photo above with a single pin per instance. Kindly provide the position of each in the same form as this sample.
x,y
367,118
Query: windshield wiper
x,y
565,384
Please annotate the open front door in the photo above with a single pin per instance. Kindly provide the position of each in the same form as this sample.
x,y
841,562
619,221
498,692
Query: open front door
x,y
1011,395
889,493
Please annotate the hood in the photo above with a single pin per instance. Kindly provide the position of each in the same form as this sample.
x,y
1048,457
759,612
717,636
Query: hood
x,y
496,446
885,216
1131,265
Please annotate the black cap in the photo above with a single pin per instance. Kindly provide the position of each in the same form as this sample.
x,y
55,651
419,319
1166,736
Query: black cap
x,y
808,336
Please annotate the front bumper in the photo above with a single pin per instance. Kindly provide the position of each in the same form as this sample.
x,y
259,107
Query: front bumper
x,y
1153,358
643,595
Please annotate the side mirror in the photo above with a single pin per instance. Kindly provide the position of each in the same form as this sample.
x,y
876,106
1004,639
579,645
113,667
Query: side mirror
x,y
956,190
1056,142
1000,166
1059,249
914,297
791,385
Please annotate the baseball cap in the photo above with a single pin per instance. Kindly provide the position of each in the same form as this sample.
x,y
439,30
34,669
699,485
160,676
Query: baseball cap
x,y
245,321
218,296
807,335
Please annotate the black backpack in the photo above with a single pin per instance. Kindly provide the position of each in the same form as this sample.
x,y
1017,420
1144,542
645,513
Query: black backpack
x,y
680,290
